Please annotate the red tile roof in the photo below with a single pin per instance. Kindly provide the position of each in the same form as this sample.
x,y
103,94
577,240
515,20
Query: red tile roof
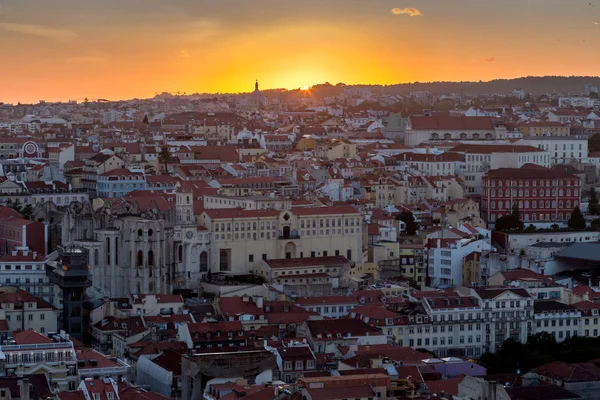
x,y
307,262
451,123
30,337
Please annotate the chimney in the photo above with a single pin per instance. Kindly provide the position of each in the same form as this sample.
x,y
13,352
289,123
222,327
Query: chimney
x,y
24,388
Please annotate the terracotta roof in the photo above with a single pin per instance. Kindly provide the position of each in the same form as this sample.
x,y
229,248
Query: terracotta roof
x,y
527,173
102,361
489,294
342,392
30,337
236,213
451,123
307,262
343,326
492,148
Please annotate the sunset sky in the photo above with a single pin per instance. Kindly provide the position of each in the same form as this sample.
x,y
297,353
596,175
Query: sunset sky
x,y
118,49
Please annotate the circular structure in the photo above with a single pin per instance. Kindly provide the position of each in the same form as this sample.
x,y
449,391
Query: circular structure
x,y
30,148
189,234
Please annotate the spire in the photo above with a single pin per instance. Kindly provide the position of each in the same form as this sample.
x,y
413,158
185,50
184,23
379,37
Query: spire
x,y
256,86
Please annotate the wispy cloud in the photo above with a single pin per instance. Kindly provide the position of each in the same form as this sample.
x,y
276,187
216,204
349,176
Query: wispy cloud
x,y
184,54
57,34
490,60
412,12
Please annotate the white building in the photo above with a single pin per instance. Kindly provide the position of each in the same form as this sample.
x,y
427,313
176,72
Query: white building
x,y
446,259
243,237
561,149
560,320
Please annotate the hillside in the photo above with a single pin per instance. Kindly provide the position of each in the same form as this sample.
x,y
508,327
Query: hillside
x,y
535,85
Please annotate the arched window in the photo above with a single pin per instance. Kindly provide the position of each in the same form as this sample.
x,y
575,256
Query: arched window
x,y
568,192
534,192
180,253
150,232
548,192
223,260
561,192
140,232
520,204
140,258
547,203
107,250
150,258
560,204
520,192
203,261
116,251
568,203
493,192
534,204
96,257
507,204
526,192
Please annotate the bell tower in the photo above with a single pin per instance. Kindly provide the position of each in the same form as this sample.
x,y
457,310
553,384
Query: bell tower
x,y
185,208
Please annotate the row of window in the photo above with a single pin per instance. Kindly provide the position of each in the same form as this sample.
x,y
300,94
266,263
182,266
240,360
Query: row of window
x,y
534,193
554,323
37,357
534,183
535,217
524,205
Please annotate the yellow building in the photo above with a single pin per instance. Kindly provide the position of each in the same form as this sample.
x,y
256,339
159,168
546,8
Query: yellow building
x,y
544,128
413,261
306,143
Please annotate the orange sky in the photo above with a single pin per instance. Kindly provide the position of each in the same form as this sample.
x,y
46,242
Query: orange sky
x,y
115,49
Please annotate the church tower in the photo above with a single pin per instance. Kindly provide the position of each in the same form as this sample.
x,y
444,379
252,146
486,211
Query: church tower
x,y
185,208
256,86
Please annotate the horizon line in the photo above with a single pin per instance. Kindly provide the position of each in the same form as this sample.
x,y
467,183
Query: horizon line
x,y
179,93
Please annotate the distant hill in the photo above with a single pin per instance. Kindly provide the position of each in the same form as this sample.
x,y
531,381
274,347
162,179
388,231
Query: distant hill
x,y
534,85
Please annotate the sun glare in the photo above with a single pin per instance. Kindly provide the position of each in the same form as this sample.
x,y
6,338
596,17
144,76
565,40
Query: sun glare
x,y
304,88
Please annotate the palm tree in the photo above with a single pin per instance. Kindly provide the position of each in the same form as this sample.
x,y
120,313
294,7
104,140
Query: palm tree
x,y
165,157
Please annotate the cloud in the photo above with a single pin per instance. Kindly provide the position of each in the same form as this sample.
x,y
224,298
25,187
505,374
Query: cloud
x,y
184,54
59,35
412,12
490,60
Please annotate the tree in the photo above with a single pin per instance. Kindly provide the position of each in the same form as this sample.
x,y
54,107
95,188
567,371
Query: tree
x,y
511,221
593,207
165,157
516,217
595,224
577,221
409,221
27,211
145,121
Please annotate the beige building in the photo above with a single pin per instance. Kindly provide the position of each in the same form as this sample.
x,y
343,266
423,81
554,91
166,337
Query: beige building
x,y
472,268
243,237
24,311
306,276
458,211
336,149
